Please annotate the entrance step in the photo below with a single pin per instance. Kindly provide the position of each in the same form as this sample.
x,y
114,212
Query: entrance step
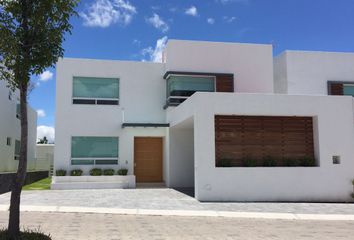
x,y
151,185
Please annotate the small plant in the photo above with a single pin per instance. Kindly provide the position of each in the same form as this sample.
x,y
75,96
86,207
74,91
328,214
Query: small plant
x,y
291,162
269,161
225,163
353,182
249,162
123,171
307,162
76,172
108,172
96,172
27,235
353,189
60,172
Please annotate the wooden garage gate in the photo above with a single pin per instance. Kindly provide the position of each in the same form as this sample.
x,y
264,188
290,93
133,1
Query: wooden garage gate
x,y
241,137
148,154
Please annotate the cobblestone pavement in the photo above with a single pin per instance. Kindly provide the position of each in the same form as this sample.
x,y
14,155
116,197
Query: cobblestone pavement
x,y
107,226
163,199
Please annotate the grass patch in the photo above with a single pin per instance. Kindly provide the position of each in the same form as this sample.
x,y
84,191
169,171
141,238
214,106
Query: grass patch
x,y
27,235
43,184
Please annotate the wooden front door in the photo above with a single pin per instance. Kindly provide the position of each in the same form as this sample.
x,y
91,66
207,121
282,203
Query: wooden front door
x,y
148,159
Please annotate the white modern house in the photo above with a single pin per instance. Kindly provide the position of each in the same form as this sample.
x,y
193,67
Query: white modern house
x,y
10,131
227,119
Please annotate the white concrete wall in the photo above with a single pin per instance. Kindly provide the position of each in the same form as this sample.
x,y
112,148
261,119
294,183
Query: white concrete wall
x,y
328,182
251,64
44,156
181,168
10,127
142,97
307,73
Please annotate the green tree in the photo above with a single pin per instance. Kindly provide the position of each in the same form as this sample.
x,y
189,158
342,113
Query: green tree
x,y
43,140
31,37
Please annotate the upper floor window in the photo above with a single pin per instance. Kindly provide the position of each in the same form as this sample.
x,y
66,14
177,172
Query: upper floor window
x,y
348,89
94,151
180,87
92,90
341,88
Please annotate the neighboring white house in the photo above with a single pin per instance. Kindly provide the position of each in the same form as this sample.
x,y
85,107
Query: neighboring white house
x,y
10,131
224,118
44,156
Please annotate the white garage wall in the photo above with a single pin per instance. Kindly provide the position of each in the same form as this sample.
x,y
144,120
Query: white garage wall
x,y
181,159
325,183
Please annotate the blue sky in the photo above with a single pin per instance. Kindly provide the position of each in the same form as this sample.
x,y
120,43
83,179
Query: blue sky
x,y
138,29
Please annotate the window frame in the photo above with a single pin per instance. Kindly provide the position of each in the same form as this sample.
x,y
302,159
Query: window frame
x,y
95,159
93,100
168,97
8,141
342,83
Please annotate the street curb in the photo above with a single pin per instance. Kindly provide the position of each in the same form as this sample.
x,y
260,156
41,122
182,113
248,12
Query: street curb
x,y
186,213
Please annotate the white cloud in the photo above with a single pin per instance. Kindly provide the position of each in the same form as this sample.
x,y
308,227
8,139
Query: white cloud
x,y
46,131
211,20
192,11
155,55
103,13
158,22
46,76
231,1
229,19
41,113
137,42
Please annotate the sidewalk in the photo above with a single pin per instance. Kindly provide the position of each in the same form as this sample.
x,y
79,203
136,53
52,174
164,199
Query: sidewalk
x,y
168,202
74,226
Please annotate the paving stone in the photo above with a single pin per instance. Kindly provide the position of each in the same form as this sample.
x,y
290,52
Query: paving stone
x,y
163,199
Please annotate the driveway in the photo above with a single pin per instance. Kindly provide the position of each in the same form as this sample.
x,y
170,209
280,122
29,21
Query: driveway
x,y
164,201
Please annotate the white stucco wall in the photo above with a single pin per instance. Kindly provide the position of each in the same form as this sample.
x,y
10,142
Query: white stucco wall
x,y
181,158
10,127
142,97
328,182
300,72
44,156
251,64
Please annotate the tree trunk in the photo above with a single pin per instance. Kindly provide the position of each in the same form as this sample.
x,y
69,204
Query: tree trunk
x,y
16,187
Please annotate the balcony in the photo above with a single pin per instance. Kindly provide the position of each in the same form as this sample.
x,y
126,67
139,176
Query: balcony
x,y
181,85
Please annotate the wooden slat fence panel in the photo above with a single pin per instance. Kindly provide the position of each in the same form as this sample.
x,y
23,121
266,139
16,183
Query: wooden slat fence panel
x,y
258,137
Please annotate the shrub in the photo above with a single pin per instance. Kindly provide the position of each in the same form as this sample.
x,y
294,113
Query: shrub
x,y
291,162
60,172
269,161
249,162
352,195
27,235
96,172
76,172
123,171
108,172
225,163
307,162
353,182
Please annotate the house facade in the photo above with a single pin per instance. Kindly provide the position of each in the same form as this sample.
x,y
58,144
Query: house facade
x,y
10,131
227,119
